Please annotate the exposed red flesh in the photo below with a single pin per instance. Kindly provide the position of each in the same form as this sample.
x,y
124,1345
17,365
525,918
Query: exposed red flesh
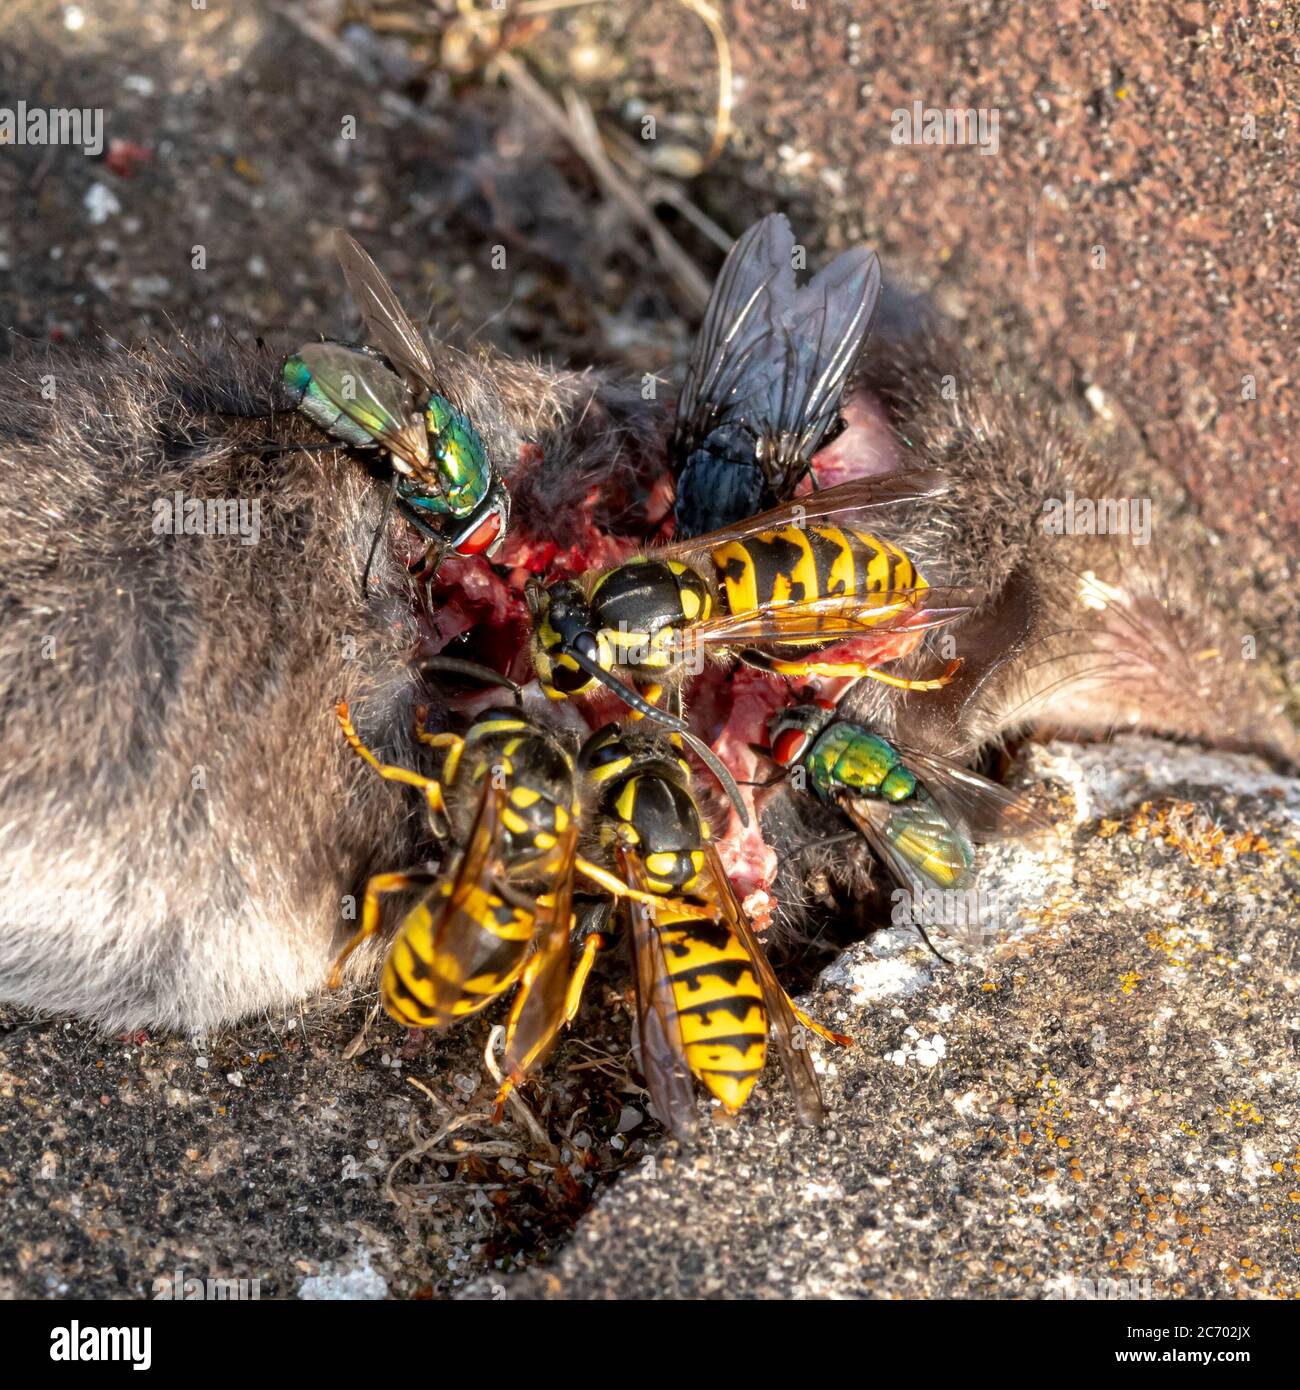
x,y
729,707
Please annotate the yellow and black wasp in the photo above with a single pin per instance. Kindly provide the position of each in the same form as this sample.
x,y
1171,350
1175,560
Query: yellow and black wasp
x,y
502,915
803,575
706,993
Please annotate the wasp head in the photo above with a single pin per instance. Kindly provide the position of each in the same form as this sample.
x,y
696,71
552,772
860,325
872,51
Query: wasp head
x,y
568,651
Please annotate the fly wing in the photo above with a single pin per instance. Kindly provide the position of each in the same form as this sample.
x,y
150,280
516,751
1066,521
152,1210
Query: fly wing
x,y
732,353
796,1060
538,1012
923,847
367,392
663,1053
391,331
989,811
840,504
823,335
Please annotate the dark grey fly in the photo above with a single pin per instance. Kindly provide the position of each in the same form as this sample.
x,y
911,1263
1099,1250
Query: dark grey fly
x,y
763,386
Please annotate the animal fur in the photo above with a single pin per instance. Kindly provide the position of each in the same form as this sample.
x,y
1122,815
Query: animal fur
x,y
181,825
1081,636
136,898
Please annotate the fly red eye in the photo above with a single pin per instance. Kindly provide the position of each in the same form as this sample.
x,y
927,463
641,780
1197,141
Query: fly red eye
x,y
825,704
482,537
788,745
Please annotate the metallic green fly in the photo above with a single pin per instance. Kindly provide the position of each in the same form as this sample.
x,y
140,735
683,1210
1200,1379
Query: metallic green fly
x,y
922,814
382,397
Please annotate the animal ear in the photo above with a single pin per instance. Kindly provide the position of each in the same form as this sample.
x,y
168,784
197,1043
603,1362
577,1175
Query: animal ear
x,y
1132,643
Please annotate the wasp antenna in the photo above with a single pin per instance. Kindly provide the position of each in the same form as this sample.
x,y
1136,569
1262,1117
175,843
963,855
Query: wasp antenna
x,y
719,769
629,696
455,666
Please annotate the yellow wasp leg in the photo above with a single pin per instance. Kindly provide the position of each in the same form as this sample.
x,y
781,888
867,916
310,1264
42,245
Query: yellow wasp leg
x,y
452,742
431,788
839,669
593,944
616,888
839,1039
937,683
376,887
572,1000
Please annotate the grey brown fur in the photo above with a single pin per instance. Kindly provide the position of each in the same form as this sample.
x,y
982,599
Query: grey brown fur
x,y
134,665
1156,648
134,899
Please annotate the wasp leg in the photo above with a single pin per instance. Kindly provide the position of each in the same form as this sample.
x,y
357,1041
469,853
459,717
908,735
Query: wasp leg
x,y
376,888
615,887
591,947
431,788
831,670
839,1039
593,944
453,743
935,683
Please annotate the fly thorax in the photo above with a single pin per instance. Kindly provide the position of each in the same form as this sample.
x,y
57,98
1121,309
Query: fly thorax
x,y
899,785
458,454
855,759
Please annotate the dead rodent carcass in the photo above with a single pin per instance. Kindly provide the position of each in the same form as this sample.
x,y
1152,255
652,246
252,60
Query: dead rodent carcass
x,y
1085,624
181,825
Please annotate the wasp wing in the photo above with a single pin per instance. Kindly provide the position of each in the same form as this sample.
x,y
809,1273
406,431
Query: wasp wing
x,y
538,1011
367,392
732,342
831,618
796,1060
838,504
391,331
462,947
663,1053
